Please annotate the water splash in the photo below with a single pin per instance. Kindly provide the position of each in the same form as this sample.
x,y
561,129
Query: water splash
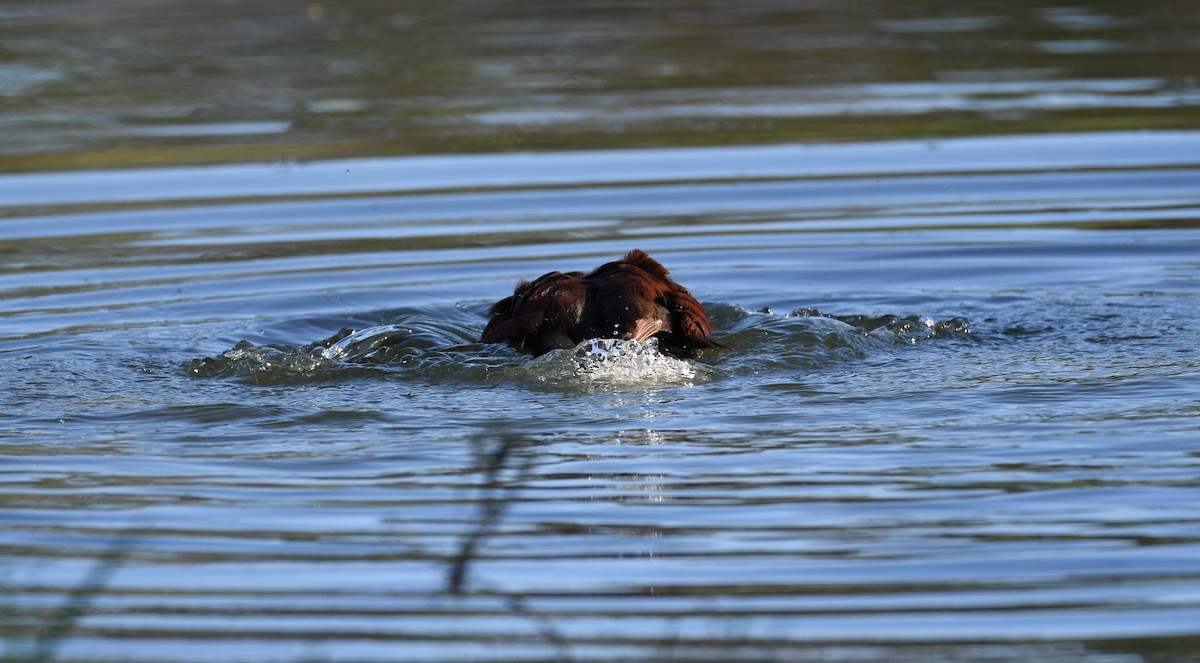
x,y
895,328
266,364
432,343
364,343
603,362
438,344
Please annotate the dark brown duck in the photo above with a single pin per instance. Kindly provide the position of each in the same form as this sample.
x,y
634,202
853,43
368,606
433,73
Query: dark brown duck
x,y
631,298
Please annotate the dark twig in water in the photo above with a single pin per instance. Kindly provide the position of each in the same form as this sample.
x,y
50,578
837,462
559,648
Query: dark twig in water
x,y
545,626
493,506
496,496
62,622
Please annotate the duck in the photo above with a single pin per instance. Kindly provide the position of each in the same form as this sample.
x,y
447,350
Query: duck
x,y
631,298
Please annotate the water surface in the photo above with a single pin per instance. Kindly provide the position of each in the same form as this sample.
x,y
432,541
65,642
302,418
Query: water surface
x,y
246,252
957,418
91,84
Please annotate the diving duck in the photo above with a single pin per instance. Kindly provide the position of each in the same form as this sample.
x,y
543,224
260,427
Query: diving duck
x,y
631,298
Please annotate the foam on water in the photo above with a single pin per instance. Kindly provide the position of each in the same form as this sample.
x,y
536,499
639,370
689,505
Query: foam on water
x,y
614,362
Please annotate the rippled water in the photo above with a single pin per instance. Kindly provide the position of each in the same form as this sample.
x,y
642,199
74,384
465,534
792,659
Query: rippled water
x,y
954,254
124,82
957,418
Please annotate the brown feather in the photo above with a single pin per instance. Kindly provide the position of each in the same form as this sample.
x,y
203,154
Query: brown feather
x,y
631,298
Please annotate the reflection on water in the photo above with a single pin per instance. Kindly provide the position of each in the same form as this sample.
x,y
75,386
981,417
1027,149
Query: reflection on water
x,y
246,415
127,82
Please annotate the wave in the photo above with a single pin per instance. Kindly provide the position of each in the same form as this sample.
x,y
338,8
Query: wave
x,y
441,343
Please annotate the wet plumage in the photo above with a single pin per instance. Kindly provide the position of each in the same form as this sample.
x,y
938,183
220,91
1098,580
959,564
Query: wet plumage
x,y
631,298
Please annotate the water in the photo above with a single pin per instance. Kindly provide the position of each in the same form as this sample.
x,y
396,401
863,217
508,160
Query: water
x,y
89,84
246,415
958,407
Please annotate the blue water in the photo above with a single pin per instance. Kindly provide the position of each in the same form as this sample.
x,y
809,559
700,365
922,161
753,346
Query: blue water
x,y
956,420
247,249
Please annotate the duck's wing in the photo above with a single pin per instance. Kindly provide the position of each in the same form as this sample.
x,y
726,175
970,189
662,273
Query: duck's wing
x,y
627,298
538,314
640,289
690,325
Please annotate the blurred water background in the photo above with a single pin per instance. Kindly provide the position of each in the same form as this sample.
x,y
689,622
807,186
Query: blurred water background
x,y
246,250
